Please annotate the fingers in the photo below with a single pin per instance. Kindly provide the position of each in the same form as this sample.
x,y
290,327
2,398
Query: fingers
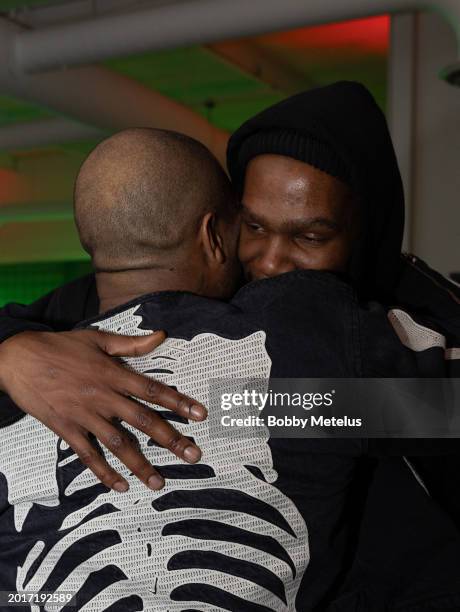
x,y
90,456
129,383
125,448
152,391
155,392
163,433
128,346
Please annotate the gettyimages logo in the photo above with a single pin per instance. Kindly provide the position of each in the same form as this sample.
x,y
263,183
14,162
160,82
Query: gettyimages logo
x,y
283,411
261,401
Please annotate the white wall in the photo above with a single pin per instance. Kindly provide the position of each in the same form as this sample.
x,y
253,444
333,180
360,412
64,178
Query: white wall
x,y
424,114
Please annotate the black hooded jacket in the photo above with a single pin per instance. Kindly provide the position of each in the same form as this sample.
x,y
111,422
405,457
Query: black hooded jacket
x,y
345,117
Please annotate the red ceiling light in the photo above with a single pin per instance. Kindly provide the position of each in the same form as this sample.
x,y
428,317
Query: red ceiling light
x,y
370,35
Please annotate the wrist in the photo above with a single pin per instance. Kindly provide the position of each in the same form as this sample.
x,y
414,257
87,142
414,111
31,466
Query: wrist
x,y
6,357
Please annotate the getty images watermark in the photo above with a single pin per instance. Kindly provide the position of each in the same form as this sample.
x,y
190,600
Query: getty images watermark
x,y
276,399
335,408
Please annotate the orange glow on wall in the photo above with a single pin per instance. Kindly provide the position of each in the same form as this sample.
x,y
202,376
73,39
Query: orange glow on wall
x,y
13,187
370,35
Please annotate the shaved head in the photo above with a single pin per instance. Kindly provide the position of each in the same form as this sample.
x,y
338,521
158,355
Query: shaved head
x,y
141,194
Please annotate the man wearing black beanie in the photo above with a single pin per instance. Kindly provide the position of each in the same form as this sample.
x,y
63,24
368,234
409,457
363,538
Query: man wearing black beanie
x,y
339,130
321,188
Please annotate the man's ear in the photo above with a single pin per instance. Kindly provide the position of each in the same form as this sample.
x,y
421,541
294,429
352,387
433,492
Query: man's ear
x,y
211,239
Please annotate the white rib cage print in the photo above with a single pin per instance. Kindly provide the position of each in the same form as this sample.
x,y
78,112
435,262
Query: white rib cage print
x,y
219,536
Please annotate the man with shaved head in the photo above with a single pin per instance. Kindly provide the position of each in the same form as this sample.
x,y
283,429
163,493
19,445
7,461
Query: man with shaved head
x,y
138,195
147,202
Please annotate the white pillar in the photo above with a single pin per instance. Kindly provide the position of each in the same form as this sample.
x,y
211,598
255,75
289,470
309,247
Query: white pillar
x,y
436,161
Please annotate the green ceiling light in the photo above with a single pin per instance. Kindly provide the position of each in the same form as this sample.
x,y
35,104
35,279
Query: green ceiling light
x,y
26,282
36,211
13,110
192,76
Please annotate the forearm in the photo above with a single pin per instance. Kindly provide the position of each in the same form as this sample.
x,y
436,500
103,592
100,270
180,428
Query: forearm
x,y
18,318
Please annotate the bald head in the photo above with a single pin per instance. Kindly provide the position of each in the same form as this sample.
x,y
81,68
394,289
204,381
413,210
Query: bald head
x,y
140,197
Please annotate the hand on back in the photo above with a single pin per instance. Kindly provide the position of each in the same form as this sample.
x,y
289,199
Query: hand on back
x,y
71,382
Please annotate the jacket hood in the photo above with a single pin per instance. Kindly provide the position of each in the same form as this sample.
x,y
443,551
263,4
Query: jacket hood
x,y
346,117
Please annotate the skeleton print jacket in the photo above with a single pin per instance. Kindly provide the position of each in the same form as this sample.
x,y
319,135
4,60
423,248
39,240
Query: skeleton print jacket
x,y
258,524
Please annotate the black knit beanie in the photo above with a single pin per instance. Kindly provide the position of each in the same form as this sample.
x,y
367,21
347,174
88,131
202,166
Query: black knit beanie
x,y
292,144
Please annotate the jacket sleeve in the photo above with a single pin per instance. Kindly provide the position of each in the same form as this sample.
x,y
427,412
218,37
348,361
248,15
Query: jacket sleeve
x,y
16,318
59,310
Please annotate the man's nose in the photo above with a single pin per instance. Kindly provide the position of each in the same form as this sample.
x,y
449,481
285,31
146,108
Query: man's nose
x,y
272,261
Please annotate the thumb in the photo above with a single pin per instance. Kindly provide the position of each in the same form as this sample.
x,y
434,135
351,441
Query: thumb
x,y
129,346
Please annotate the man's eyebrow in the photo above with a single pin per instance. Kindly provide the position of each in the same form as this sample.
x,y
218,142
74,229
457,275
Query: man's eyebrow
x,y
253,216
294,226
311,223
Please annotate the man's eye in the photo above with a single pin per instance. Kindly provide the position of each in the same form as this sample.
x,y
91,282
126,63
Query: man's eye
x,y
254,227
311,238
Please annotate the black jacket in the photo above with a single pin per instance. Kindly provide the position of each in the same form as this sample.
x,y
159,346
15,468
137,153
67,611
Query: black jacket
x,y
292,504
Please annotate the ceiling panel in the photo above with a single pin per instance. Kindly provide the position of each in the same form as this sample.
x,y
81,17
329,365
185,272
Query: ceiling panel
x,y
198,78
